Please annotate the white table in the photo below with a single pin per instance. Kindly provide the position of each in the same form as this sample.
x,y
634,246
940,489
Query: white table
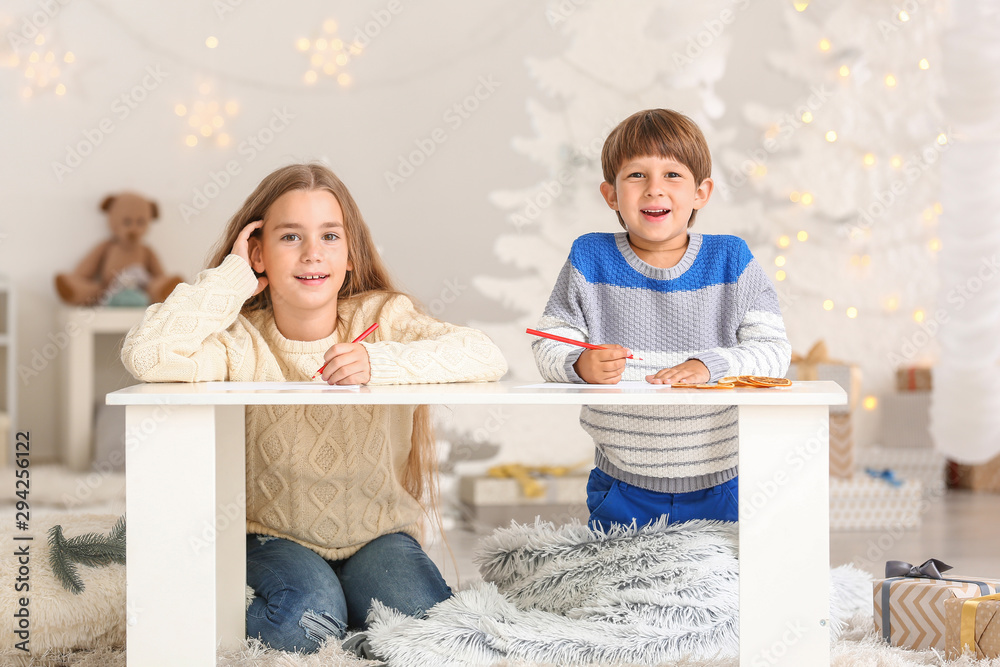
x,y
185,463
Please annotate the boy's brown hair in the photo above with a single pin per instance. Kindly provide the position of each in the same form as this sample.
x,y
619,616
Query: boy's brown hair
x,y
661,133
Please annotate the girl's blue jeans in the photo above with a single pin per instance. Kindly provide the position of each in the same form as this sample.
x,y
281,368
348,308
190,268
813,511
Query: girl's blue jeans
x,y
613,501
301,599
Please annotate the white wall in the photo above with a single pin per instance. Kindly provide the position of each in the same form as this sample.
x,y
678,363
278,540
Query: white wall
x,y
436,229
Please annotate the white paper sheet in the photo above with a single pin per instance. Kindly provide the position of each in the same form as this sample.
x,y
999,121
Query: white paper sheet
x,y
280,386
628,385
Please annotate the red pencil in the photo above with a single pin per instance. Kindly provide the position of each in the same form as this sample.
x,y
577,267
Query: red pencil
x,y
589,346
356,340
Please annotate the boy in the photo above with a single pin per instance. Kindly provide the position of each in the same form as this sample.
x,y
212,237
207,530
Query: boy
x,y
693,307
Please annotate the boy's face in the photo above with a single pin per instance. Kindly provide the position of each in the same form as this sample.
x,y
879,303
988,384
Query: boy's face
x,y
655,197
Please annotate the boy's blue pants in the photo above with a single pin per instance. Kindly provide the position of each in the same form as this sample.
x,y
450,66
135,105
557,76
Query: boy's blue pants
x,y
612,501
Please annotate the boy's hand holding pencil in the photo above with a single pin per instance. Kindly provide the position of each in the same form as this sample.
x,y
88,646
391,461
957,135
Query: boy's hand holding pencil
x,y
602,366
598,364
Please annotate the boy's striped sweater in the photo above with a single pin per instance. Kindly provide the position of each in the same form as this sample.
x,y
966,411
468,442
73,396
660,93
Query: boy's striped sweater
x,y
715,305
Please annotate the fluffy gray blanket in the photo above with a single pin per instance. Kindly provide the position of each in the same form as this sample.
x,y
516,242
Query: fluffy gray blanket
x,y
568,595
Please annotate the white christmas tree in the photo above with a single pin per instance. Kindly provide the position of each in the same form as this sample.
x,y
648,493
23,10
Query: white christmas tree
x,y
848,178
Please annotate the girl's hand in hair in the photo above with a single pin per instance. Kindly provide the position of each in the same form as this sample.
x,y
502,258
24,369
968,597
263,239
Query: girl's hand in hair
x,y
241,248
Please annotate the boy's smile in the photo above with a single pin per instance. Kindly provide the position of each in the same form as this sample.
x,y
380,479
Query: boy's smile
x,y
655,197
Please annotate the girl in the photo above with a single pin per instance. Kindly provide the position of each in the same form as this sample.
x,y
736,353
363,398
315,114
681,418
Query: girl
x,y
334,493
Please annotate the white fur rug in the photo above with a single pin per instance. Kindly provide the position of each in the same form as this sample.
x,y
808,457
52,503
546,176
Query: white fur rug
x,y
525,562
570,596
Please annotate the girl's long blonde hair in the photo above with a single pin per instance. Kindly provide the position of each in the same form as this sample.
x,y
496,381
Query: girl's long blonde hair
x,y
369,275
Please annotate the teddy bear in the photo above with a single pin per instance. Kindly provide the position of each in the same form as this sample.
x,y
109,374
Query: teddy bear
x,y
121,271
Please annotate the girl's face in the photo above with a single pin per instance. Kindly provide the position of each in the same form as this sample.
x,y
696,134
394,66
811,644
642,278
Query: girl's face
x,y
303,250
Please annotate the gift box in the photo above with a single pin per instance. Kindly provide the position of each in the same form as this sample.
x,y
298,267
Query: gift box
x,y
978,477
973,625
489,502
910,612
867,503
841,446
816,365
913,378
905,420
927,466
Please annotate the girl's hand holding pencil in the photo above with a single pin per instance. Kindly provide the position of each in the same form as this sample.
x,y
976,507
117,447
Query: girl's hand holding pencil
x,y
348,363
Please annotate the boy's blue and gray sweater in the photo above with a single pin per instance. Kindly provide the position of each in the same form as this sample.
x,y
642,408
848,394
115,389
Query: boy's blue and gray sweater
x,y
716,305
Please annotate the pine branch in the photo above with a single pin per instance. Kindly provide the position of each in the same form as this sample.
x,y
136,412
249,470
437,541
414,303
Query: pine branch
x,y
91,549
60,561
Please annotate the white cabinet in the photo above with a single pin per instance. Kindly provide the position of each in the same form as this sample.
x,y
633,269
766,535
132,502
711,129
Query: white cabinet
x,y
8,370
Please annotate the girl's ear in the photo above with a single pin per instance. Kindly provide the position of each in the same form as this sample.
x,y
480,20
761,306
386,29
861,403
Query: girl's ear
x,y
350,264
256,254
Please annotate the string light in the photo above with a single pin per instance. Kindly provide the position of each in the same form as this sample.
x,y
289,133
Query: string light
x,y
807,117
212,42
779,260
802,236
890,81
870,403
869,159
807,199
800,5
784,242
845,70
828,305
795,196
831,136
918,315
42,71
824,44
328,54
903,16
892,304
852,312
896,162
934,245
924,64
206,117
942,139
780,275
938,208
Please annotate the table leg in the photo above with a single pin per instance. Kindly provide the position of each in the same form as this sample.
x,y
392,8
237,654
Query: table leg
x,y
186,545
784,536
78,399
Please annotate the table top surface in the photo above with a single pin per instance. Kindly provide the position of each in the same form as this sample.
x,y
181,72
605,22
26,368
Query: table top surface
x,y
506,392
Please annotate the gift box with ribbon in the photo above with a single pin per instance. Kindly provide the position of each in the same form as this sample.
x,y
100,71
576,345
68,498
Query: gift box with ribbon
x,y
910,602
927,466
978,477
817,365
973,625
913,378
874,501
